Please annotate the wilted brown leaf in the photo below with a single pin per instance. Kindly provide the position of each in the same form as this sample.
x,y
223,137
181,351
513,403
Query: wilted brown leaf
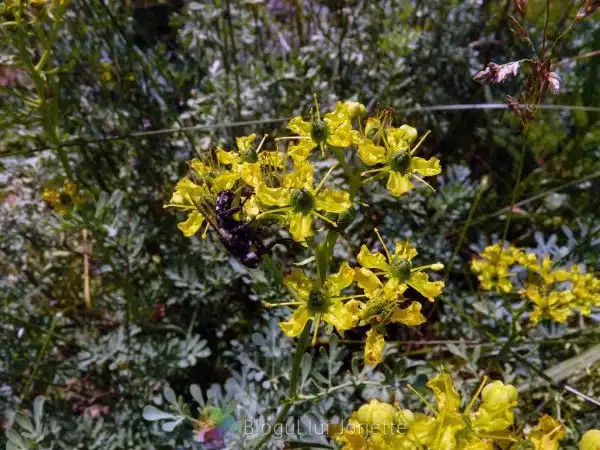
x,y
495,73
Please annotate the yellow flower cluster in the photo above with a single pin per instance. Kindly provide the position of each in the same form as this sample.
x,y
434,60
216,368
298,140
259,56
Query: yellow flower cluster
x,y
287,191
383,280
553,292
381,426
281,185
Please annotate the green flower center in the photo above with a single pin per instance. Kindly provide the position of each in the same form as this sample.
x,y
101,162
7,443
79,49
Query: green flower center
x,y
65,199
400,161
400,269
317,302
345,218
302,201
250,156
319,131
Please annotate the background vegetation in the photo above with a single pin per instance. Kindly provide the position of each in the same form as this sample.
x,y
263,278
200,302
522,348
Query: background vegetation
x,y
129,92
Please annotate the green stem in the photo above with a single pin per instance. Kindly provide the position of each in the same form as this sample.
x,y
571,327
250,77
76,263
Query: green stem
x,y
292,394
465,227
38,359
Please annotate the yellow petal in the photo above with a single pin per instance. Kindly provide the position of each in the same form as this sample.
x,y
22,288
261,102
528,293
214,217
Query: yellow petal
x,y
372,260
244,143
427,167
367,281
300,226
298,284
301,177
273,196
251,207
393,289
301,151
410,315
296,323
428,289
405,133
341,317
371,153
333,201
448,400
225,181
405,250
251,174
192,224
201,168
398,184
299,126
374,347
340,134
335,283
226,157
372,126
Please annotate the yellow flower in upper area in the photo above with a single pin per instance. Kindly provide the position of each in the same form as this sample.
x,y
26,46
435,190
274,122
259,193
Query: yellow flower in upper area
x,y
333,129
248,163
397,271
493,267
297,201
314,302
64,198
382,144
547,434
590,440
554,304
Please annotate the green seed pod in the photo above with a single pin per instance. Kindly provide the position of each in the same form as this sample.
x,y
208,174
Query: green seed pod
x,y
250,156
319,131
400,269
302,201
400,161
317,302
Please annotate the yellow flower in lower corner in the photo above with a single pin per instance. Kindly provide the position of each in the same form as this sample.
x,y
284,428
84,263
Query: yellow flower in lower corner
x,y
397,271
547,434
590,440
314,302
297,201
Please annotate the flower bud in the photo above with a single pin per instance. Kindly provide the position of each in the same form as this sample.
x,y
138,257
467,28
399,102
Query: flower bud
x,y
590,440
497,396
377,414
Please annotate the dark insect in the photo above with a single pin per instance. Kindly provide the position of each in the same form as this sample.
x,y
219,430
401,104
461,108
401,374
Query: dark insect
x,y
239,238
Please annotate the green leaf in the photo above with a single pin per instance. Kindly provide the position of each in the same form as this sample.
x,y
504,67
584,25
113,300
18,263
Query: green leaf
x,y
152,414
197,394
16,439
170,395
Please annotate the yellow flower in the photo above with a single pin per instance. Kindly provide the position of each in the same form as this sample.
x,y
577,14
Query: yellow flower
x,y
590,440
392,148
193,199
334,129
397,270
374,347
493,267
248,163
297,201
495,412
198,199
547,434
317,303
64,198
376,414
554,304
